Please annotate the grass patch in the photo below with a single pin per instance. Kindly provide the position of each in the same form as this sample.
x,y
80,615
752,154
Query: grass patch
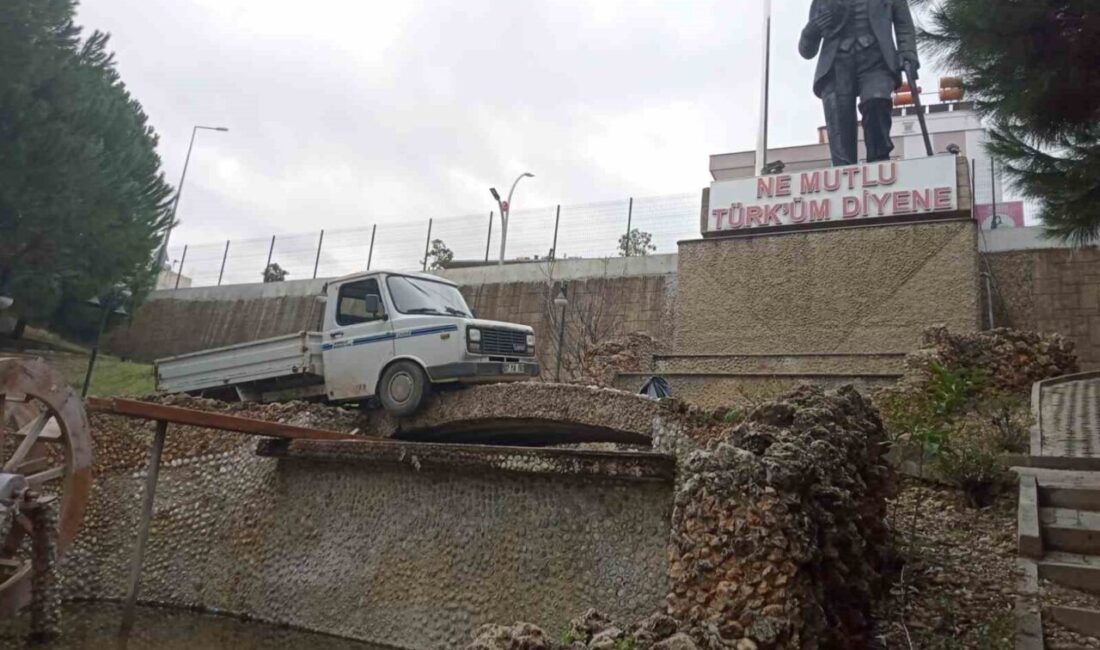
x,y
113,377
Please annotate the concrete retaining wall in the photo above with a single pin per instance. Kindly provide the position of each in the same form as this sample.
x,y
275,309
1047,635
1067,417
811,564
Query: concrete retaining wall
x,y
415,553
636,295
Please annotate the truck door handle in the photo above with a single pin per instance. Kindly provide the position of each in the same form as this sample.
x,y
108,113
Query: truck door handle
x,y
336,335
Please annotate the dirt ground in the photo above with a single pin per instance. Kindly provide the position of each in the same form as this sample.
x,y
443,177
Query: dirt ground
x,y
955,580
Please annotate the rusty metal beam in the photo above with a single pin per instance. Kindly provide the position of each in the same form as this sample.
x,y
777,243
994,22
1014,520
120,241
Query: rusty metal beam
x,y
147,499
613,465
193,418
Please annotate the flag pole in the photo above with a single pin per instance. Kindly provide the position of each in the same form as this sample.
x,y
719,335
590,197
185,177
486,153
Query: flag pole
x,y
762,136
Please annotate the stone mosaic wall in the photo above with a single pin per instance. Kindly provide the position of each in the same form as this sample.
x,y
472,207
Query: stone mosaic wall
x,y
1051,290
387,552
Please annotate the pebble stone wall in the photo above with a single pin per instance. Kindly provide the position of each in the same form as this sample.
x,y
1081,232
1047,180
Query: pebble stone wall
x,y
386,553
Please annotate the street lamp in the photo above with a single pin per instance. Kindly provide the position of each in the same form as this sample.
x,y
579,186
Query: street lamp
x,y
110,302
563,302
505,209
179,191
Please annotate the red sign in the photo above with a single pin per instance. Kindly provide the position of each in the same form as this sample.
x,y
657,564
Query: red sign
x,y
1009,215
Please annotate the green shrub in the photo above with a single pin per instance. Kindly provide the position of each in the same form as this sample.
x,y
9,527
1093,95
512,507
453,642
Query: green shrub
x,y
961,423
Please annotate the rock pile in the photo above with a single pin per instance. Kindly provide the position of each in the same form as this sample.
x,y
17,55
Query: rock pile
x,y
778,534
630,353
1012,360
591,631
778,537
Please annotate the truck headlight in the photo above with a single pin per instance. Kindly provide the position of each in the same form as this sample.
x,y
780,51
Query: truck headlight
x,y
473,340
474,335
530,341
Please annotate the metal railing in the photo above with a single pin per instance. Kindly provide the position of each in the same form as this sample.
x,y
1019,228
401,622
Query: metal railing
x,y
591,231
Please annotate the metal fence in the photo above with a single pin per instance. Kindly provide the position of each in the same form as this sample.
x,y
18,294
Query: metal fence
x,y
592,230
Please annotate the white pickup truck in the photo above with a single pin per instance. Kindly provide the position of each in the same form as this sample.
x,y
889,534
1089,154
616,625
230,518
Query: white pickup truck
x,y
385,335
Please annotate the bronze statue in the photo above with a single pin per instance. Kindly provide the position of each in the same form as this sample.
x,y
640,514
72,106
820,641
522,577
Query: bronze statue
x,y
859,59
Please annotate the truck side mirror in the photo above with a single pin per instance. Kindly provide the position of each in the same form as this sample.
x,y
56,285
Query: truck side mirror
x,y
374,305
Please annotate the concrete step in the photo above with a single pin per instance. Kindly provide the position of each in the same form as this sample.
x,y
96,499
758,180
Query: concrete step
x,y
1070,530
793,364
1080,620
1060,488
1074,570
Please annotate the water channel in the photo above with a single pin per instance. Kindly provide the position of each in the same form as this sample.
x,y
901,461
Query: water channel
x,y
94,626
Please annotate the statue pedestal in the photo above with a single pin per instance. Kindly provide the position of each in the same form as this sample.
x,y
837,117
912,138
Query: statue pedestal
x,y
825,276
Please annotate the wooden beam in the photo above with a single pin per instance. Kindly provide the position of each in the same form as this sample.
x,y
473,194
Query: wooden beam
x,y
193,418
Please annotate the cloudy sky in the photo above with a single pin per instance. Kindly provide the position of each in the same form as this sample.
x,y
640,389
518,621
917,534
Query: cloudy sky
x,y
348,112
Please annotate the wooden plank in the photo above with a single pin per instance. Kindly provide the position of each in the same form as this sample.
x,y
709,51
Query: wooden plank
x,y
191,417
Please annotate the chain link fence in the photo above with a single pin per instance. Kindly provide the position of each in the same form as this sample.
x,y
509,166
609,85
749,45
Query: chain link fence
x,y
593,230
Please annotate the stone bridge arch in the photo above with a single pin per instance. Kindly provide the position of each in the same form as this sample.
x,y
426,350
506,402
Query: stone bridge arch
x,y
537,414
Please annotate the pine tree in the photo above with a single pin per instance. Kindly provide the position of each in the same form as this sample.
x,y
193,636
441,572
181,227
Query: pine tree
x,y
82,199
1033,67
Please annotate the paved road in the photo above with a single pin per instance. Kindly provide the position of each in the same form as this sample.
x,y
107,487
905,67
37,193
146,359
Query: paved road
x,y
1070,418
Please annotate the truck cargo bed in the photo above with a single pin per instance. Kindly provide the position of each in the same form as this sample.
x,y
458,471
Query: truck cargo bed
x,y
282,357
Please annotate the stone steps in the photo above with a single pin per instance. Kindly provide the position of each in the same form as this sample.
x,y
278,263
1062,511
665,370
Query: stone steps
x,y
1058,534
1073,570
1070,529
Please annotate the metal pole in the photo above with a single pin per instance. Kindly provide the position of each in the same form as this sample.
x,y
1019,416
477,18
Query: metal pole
x,y
370,253
503,231
489,239
989,297
143,526
554,248
270,251
224,257
973,187
762,136
561,333
424,262
629,219
317,262
179,273
993,188
179,191
95,348
506,212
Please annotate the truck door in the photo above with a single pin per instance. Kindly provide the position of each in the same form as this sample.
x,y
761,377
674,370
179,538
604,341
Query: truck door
x,y
360,342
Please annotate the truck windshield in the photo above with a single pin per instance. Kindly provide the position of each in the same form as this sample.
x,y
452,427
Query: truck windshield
x,y
419,296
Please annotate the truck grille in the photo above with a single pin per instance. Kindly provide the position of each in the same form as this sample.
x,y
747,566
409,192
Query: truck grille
x,y
509,342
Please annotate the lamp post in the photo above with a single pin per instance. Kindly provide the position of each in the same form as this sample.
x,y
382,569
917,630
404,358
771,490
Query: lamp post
x,y
110,302
505,210
563,302
179,190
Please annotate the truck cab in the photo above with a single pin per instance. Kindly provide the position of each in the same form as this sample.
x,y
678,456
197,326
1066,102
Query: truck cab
x,y
392,335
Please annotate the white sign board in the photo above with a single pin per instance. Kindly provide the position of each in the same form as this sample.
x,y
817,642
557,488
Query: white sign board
x,y
835,194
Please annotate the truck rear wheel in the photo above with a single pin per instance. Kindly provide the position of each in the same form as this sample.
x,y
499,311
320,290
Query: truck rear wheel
x,y
402,388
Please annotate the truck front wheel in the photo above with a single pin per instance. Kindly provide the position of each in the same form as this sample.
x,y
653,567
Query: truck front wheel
x,y
402,388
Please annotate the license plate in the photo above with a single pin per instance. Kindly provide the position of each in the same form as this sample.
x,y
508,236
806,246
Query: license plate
x,y
513,369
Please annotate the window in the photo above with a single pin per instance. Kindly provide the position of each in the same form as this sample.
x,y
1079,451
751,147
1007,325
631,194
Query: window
x,y
422,296
351,305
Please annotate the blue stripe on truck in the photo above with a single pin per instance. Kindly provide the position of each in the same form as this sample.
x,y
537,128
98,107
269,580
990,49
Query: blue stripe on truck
x,y
388,336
